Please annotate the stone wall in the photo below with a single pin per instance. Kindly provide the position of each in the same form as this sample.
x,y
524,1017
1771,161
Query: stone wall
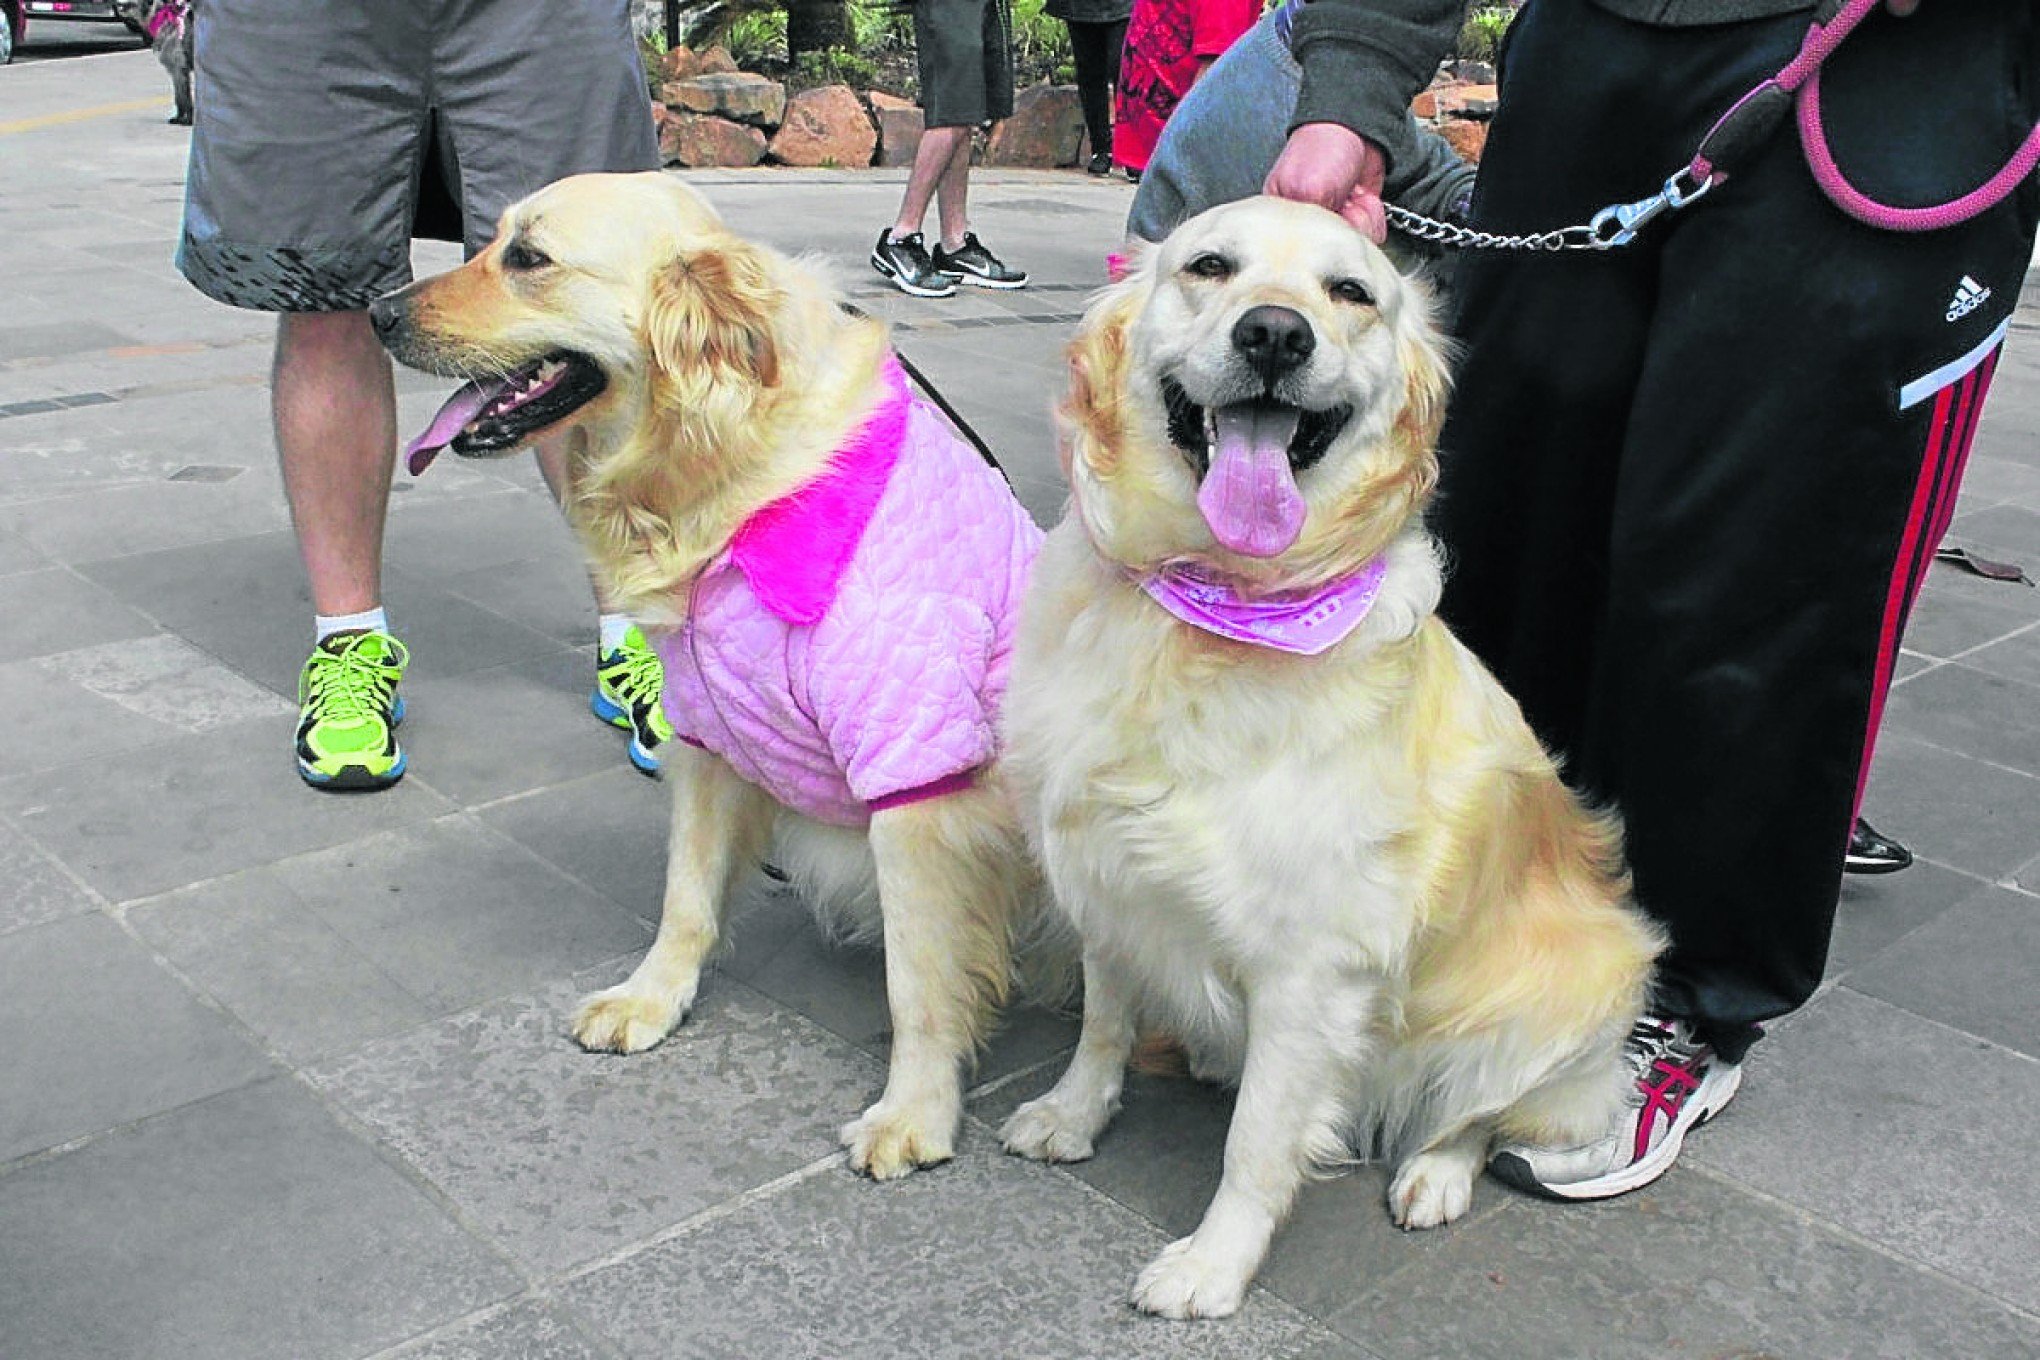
x,y
712,114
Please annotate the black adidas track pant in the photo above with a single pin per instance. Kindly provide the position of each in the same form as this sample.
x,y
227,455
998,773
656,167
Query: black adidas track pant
x,y
1691,486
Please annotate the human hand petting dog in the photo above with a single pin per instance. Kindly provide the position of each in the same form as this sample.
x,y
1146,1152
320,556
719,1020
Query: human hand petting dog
x,y
1336,168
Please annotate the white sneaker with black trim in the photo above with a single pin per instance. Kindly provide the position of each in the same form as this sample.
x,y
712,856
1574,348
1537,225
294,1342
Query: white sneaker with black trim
x,y
1681,1083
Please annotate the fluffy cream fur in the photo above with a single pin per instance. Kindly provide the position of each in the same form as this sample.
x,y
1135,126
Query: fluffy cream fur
x,y
733,373
1352,883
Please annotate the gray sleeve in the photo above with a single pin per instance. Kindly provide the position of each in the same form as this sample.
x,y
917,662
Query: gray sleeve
x,y
1364,60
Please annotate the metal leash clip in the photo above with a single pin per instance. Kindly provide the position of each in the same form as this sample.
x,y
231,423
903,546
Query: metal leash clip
x,y
1618,224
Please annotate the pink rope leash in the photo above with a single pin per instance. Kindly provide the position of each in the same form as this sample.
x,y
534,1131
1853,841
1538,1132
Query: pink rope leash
x,y
1801,75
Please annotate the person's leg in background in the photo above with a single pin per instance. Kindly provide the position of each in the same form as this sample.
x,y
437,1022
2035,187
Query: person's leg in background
x,y
901,253
1094,50
964,52
959,252
515,81
281,151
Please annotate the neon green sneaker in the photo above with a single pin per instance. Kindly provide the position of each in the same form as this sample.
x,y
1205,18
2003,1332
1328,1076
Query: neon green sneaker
x,y
627,685
349,711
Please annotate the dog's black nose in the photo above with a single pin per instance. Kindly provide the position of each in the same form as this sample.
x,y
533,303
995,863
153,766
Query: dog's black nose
x,y
1274,340
385,316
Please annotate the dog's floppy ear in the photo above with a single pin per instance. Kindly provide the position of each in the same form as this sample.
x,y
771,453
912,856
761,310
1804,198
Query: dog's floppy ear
x,y
1425,357
1099,354
712,313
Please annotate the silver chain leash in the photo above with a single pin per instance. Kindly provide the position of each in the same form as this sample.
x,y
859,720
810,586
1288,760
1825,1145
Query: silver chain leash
x,y
1615,225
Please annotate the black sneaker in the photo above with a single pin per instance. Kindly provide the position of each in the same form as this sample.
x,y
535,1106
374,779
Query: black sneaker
x,y
972,263
1101,164
905,261
1870,853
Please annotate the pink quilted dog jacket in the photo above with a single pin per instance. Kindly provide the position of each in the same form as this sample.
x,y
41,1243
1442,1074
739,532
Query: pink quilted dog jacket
x,y
850,650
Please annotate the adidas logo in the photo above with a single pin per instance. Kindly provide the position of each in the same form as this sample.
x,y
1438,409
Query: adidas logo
x,y
1969,295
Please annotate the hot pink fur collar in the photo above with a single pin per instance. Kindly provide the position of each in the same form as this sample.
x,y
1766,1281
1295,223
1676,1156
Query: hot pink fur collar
x,y
794,551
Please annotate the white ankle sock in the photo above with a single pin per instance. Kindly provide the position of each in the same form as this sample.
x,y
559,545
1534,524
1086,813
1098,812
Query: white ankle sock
x,y
613,626
368,620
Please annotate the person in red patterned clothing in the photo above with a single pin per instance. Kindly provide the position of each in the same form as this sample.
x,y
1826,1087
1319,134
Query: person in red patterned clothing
x,y
1169,44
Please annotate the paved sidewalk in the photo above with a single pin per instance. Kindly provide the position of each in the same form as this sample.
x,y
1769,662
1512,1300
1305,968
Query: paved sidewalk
x,y
286,1075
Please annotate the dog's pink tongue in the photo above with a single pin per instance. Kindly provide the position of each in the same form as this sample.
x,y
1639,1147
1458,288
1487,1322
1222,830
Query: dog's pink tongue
x,y
464,405
1249,497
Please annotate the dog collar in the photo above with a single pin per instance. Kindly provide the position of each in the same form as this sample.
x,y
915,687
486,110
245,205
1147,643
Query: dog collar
x,y
794,551
1305,622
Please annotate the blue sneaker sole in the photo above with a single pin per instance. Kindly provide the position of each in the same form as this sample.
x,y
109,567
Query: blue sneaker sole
x,y
607,709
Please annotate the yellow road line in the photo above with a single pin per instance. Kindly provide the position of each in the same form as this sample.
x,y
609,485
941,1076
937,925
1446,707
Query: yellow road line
x,y
77,115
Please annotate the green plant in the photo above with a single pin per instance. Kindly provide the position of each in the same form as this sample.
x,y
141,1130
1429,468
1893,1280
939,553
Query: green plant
x,y
757,37
1038,39
1481,37
880,25
835,66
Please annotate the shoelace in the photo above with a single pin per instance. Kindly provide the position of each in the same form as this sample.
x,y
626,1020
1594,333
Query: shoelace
x,y
636,674
1664,1076
347,684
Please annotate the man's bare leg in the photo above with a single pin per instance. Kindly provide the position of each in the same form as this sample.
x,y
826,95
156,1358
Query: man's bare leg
x,y
935,162
334,405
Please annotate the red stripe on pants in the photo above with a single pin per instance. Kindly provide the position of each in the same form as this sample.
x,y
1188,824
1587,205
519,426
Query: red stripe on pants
x,y
1950,433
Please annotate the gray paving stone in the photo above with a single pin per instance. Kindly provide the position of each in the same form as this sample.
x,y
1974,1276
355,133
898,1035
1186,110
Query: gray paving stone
x,y
195,807
62,337
988,1256
167,681
262,951
1971,969
1946,623
508,729
1928,1114
527,1330
2000,530
1876,911
2014,658
98,1035
608,831
1691,1266
1162,1158
45,720
538,593
148,516
54,610
247,1227
37,889
245,601
563,1156
776,947
18,555
457,915
1973,712
480,532
1954,808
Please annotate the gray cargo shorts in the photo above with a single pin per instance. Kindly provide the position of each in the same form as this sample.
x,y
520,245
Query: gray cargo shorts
x,y
964,54
316,124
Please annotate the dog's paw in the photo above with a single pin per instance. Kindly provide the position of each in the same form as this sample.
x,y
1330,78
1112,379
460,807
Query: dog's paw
x,y
886,1142
1187,1281
1046,1130
620,1020
1429,1190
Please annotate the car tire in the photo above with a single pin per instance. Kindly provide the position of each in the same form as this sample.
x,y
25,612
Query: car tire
x,y
6,38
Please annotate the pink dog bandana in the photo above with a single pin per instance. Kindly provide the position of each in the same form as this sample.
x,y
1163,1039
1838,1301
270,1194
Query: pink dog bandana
x,y
1305,622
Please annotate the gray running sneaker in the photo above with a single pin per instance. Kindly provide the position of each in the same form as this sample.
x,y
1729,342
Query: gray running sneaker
x,y
974,264
904,260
